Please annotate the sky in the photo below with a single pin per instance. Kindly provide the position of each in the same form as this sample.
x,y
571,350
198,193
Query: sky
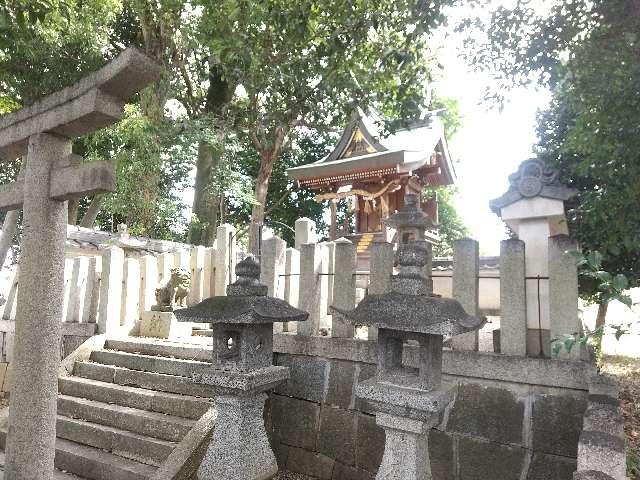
x,y
490,144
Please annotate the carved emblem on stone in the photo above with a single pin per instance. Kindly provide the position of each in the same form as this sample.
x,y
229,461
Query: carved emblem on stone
x,y
532,176
174,292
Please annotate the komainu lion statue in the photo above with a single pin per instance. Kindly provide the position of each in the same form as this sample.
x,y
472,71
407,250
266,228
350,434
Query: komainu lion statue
x,y
175,291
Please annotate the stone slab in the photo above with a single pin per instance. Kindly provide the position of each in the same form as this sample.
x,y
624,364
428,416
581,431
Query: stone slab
x,y
308,377
369,443
337,436
295,422
485,460
603,452
551,467
492,413
318,466
556,423
340,391
345,472
546,372
441,455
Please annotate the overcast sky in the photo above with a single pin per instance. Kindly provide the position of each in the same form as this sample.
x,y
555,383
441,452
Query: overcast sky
x,y
491,143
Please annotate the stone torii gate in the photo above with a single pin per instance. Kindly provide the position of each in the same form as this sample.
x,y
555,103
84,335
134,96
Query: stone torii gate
x,y
52,175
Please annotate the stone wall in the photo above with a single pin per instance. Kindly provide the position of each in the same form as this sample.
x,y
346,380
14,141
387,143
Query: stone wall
x,y
513,418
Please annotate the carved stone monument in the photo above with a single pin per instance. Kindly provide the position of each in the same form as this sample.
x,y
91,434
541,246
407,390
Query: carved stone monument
x,y
160,322
408,401
241,373
43,133
533,208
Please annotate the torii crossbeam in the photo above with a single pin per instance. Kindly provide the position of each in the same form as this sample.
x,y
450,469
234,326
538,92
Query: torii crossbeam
x,y
52,175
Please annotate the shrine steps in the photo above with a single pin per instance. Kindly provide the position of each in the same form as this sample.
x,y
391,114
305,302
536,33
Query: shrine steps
x,y
124,410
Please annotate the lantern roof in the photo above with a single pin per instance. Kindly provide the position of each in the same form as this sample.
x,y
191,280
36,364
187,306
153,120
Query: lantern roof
x,y
413,313
410,215
246,302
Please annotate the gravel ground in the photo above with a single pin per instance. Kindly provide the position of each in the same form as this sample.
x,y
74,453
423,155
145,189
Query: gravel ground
x,y
627,371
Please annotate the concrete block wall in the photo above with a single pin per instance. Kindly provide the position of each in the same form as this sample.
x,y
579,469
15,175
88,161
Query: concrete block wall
x,y
513,418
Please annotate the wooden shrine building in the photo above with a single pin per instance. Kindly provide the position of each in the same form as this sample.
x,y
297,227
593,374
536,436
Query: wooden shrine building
x,y
373,173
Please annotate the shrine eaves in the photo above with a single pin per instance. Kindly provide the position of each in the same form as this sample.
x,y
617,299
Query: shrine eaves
x,y
373,173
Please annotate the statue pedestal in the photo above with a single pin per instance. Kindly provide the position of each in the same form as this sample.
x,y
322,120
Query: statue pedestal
x,y
163,325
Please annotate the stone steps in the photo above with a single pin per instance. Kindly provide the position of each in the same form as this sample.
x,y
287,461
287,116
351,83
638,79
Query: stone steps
x,y
150,363
94,463
144,449
139,398
199,352
123,412
143,422
57,474
138,378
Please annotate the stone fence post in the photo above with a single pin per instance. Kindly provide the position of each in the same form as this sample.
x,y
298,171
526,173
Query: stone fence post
x,y
225,258
466,268
209,269
563,291
148,282
196,293
513,300
272,265
313,287
331,271
291,281
111,290
305,232
381,269
344,283
165,264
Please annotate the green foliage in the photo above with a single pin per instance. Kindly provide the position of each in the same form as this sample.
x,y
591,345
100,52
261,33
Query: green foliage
x,y
604,288
314,61
285,202
452,227
153,160
61,42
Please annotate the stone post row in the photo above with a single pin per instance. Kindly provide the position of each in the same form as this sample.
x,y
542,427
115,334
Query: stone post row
x,y
313,287
513,298
466,268
563,291
381,269
344,283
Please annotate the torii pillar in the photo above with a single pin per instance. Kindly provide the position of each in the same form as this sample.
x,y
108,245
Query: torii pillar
x,y
52,175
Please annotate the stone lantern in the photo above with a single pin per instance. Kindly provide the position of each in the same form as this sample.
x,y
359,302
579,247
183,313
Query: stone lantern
x,y
242,371
408,401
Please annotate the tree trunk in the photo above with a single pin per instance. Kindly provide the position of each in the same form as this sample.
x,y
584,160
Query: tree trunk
x,y
205,201
9,228
90,216
267,160
73,211
602,314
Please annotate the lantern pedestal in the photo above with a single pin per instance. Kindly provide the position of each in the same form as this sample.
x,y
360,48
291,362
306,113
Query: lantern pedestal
x,y
406,449
239,446
406,415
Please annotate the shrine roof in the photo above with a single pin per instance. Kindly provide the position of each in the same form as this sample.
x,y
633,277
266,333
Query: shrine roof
x,y
363,151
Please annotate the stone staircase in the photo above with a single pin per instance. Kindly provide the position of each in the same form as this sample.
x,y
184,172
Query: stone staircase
x,y
364,243
123,412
